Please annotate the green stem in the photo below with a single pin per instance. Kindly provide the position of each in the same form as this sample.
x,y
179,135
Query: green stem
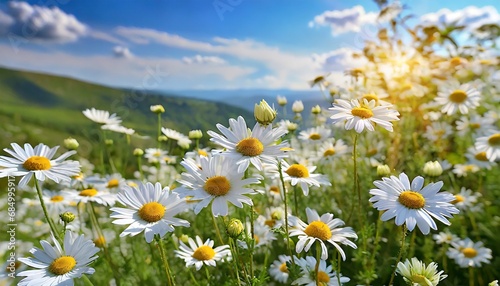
x,y
164,259
252,233
338,267
233,247
401,250
208,275
318,259
471,276
47,217
280,170
139,166
86,281
217,229
296,200
159,131
356,179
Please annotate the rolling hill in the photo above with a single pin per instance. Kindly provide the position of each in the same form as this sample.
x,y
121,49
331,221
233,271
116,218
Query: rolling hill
x,y
44,108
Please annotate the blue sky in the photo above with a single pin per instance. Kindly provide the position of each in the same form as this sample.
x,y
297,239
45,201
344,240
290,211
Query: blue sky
x,y
221,44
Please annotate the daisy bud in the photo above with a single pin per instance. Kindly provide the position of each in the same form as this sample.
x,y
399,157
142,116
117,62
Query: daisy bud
x,y
493,283
162,138
100,241
67,217
157,108
234,228
71,143
138,152
263,113
433,169
383,170
297,106
108,142
282,100
291,126
195,134
316,110
184,238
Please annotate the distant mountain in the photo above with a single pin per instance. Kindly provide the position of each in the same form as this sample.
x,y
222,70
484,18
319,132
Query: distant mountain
x,y
45,108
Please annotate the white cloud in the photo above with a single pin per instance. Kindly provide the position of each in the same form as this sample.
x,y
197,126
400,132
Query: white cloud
x,y
105,37
122,52
198,59
338,60
471,16
40,23
347,20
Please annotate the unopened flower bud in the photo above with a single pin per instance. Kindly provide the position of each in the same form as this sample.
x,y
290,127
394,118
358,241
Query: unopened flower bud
x,y
282,100
263,113
108,142
316,110
67,217
162,138
184,238
138,152
433,169
195,134
297,106
383,170
234,228
157,108
71,143
100,241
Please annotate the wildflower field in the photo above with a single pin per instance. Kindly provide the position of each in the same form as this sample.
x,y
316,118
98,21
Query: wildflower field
x,y
393,180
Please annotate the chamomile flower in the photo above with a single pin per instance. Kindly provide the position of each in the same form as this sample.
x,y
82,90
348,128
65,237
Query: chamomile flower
x,y
490,144
303,176
150,208
461,170
325,276
91,194
412,204
102,116
279,270
262,234
361,115
466,200
155,155
466,253
57,202
315,134
58,265
38,162
416,273
445,237
177,136
216,182
478,158
331,150
118,129
456,97
246,146
199,252
321,229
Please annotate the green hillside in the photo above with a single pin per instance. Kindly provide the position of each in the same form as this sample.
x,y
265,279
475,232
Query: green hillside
x,y
44,108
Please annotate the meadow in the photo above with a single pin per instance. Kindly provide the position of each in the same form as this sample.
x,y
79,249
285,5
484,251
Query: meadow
x,y
392,181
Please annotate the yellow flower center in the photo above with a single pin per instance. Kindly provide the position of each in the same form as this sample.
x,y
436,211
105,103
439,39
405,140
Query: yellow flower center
x,y
256,238
370,96
204,252
100,241
319,230
270,223
412,200
88,193
458,96
274,189
202,152
217,186
57,199
494,140
283,268
329,152
152,212
455,61
298,171
314,136
481,156
420,279
323,277
250,147
36,163
362,112
475,125
407,86
113,183
78,177
469,252
62,265
458,199
470,168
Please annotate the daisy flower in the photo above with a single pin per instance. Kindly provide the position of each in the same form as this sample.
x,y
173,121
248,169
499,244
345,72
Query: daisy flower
x,y
415,272
456,97
315,134
216,181
199,252
150,209
279,270
155,155
58,265
249,146
91,194
321,229
359,116
303,175
466,200
57,202
332,149
119,129
445,237
466,253
177,136
325,276
461,170
38,161
412,204
478,158
102,116
489,144
262,234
